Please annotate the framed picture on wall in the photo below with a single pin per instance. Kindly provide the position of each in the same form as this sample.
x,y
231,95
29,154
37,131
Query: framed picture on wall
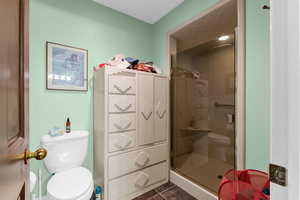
x,y
67,67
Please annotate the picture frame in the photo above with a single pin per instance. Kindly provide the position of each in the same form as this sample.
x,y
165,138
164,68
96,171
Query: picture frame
x,y
67,67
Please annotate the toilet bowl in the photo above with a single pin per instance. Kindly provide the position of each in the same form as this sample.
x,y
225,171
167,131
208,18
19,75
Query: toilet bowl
x,y
66,154
32,178
220,145
73,184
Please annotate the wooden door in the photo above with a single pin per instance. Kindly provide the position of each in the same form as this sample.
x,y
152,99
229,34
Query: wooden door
x,y
145,109
160,108
13,98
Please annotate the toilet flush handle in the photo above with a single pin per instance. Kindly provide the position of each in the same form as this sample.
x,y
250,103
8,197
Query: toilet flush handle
x,y
39,154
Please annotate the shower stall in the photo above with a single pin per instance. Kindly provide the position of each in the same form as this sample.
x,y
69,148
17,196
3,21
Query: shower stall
x,y
203,113
205,59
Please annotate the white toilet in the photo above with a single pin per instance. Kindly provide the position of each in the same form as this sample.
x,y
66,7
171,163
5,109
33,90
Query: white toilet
x,y
66,154
221,144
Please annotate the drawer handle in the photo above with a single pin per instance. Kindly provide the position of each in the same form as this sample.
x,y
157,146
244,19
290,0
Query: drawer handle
x,y
123,142
147,117
142,180
142,159
122,91
123,109
123,128
161,115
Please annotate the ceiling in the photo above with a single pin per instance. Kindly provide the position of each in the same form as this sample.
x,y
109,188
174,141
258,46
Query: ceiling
x,y
149,11
209,46
220,21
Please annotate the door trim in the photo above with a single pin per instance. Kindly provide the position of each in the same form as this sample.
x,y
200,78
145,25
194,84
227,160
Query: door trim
x,y
241,88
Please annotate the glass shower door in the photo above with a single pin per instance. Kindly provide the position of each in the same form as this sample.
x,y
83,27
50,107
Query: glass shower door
x,y
203,112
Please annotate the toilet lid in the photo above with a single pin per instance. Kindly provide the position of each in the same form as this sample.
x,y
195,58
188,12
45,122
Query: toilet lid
x,y
70,184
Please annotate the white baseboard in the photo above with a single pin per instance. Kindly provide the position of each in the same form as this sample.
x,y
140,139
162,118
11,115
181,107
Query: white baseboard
x,y
191,188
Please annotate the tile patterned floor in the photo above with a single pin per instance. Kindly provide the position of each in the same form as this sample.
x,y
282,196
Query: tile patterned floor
x,y
168,191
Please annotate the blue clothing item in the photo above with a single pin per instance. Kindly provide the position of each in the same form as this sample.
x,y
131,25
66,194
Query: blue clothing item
x,y
132,61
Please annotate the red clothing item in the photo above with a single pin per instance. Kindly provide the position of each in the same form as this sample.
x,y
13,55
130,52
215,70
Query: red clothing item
x,y
144,67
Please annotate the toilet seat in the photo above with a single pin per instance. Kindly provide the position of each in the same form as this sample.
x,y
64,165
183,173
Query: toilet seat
x,y
72,184
219,138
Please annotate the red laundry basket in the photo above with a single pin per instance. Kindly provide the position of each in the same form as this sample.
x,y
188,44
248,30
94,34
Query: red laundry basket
x,y
244,185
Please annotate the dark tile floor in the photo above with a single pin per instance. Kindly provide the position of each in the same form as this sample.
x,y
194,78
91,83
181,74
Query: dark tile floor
x,y
168,191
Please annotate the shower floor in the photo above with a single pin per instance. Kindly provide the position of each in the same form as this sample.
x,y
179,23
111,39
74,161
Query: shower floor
x,y
204,171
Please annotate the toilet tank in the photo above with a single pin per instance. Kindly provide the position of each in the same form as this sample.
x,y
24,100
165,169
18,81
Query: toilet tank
x,y
66,151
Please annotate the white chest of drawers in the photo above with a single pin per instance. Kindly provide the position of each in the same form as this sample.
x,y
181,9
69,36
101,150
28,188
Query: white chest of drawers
x,y
131,132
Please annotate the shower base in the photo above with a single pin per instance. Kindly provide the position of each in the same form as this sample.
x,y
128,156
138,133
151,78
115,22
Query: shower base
x,y
202,170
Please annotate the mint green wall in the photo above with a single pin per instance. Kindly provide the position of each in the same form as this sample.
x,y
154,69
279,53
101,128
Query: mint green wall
x,y
258,85
85,24
178,16
257,70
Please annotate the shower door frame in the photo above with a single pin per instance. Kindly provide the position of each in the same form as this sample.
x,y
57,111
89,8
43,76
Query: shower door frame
x,y
239,94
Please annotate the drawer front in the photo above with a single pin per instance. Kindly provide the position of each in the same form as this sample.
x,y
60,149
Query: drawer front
x,y
122,103
136,160
124,85
122,187
121,141
121,122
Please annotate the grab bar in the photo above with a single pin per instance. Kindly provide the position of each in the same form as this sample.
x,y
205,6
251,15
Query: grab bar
x,y
218,105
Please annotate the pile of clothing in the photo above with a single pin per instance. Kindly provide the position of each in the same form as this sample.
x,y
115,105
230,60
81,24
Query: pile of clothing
x,y
129,63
